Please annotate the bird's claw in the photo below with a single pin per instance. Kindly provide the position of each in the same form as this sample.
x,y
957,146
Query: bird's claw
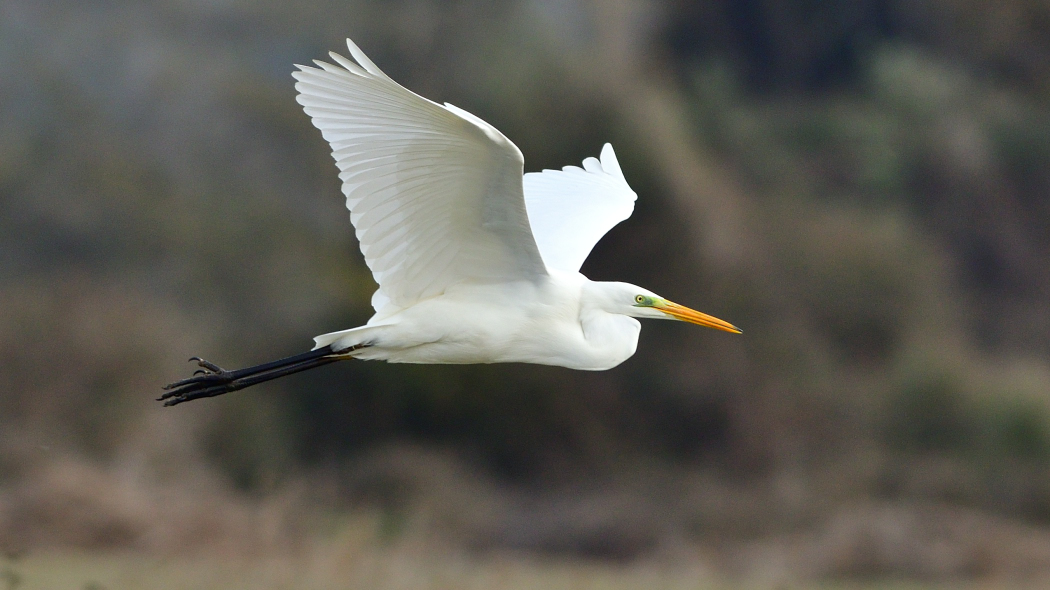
x,y
210,380
212,367
208,373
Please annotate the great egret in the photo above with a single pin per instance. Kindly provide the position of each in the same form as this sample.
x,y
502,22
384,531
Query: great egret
x,y
476,263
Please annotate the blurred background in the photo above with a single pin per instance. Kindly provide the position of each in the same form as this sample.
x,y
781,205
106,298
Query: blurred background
x,y
861,185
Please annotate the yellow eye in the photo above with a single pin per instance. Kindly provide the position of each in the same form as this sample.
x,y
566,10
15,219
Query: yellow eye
x,y
640,298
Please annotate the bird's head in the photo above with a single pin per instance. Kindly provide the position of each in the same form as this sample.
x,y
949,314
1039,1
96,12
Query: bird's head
x,y
631,300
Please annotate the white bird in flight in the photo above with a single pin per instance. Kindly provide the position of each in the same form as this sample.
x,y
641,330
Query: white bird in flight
x,y
476,262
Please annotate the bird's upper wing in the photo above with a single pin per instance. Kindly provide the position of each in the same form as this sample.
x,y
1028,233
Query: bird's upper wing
x,y
572,208
434,192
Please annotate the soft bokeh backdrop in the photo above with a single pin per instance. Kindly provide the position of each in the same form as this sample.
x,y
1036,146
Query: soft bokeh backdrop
x,y
860,185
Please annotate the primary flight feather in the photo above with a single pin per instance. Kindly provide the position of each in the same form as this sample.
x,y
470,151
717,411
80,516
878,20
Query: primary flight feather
x,y
476,262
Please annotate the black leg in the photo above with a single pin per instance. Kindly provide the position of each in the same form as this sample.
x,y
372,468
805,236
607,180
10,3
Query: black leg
x,y
212,380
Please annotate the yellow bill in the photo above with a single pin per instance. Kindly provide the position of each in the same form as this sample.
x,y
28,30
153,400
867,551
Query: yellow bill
x,y
692,316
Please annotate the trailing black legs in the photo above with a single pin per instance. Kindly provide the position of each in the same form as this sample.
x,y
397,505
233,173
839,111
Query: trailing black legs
x,y
211,380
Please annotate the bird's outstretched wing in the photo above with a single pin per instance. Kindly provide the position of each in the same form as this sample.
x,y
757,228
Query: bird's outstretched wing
x,y
572,208
434,192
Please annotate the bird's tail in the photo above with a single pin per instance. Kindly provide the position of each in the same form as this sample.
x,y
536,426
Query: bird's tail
x,y
344,339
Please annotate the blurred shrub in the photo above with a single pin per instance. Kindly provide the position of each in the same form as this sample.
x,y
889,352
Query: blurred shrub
x,y
931,414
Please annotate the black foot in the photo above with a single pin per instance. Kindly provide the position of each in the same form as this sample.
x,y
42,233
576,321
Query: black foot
x,y
208,381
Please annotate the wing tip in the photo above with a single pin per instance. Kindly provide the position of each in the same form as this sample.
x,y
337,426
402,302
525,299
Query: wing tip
x,y
363,67
609,162
362,59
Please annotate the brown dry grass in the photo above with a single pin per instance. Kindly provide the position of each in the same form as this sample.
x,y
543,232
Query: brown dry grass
x,y
70,525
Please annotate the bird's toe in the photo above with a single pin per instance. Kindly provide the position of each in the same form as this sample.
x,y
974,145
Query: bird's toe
x,y
212,367
201,378
209,380
194,391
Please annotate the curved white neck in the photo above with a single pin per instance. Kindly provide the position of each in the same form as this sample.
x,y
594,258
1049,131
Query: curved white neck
x,y
612,337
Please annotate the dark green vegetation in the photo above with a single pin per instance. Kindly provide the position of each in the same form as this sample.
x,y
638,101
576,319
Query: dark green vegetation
x,y
860,186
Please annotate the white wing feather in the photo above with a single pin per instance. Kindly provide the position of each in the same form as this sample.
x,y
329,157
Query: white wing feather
x,y
572,208
434,193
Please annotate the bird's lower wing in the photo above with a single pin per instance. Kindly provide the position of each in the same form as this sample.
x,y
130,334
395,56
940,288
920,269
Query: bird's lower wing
x,y
435,193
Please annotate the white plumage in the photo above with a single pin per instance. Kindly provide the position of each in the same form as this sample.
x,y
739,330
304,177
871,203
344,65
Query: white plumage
x,y
476,262
572,208
434,192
